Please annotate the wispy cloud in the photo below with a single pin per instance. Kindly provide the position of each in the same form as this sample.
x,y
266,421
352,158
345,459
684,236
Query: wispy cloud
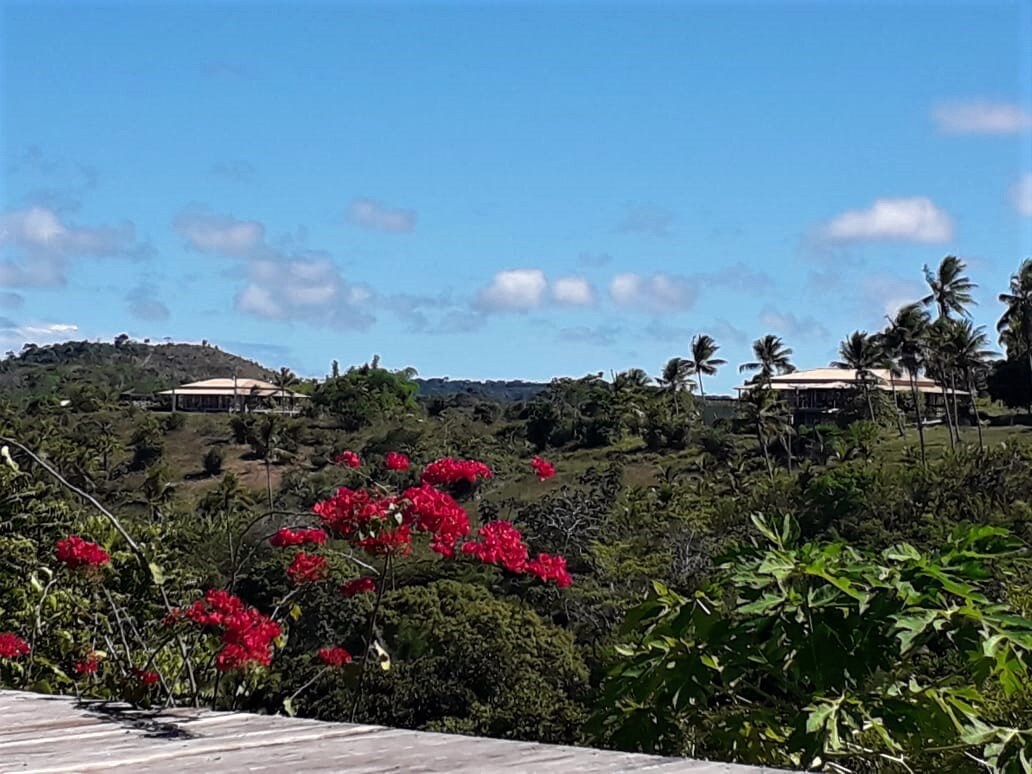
x,y
597,336
1021,195
42,244
143,304
283,281
912,219
377,216
657,292
651,221
237,171
791,326
981,117
221,68
14,336
226,235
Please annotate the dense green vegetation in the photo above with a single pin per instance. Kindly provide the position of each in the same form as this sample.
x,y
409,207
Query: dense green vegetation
x,y
852,596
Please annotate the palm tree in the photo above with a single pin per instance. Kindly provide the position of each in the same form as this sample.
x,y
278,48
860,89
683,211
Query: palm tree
x,y
628,391
675,378
766,416
906,338
703,350
950,288
1015,326
862,353
772,356
969,345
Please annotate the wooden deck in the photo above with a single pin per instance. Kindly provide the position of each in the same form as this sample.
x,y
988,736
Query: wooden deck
x,y
55,734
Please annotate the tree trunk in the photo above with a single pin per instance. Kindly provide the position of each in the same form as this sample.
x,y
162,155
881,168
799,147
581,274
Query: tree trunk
x,y
766,453
867,394
895,404
920,419
956,404
949,421
974,408
702,399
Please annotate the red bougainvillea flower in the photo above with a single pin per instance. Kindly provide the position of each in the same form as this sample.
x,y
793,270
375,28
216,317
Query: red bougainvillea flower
x,y
334,657
499,543
12,646
286,537
550,568
543,468
449,470
247,635
348,459
146,677
74,552
307,568
397,541
396,461
88,665
357,586
431,510
352,511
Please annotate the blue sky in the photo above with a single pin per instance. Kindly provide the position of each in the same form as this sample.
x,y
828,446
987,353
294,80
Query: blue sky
x,y
508,190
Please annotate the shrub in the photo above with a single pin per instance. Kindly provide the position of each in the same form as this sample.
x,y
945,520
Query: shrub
x,y
213,461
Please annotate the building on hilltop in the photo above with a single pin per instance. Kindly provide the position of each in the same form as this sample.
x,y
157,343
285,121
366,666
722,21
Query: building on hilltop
x,y
820,393
231,394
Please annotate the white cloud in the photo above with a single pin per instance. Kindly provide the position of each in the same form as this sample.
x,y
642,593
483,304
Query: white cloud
x,y
219,234
1021,195
304,287
42,243
573,291
888,294
654,293
14,336
981,117
513,290
372,214
914,219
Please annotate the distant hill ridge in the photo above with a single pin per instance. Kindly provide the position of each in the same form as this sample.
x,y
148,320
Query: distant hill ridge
x,y
144,367
125,366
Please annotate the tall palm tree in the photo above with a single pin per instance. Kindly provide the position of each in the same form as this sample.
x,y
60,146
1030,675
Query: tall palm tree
x,y
628,391
905,338
970,351
704,348
772,356
1015,326
950,287
675,378
940,365
863,353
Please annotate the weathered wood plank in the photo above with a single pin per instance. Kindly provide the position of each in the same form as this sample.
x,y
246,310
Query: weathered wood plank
x,y
42,734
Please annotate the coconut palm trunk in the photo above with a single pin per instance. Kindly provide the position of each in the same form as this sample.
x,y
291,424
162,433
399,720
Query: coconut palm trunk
x,y
974,407
920,419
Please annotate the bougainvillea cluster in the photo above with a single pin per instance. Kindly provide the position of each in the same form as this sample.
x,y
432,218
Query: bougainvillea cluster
x,y
543,468
550,568
307,568
286,537
396,461
357,586
74,553
348,459
12,646
88,665
247,635
334,657
437,513
499,543
146,676
449,470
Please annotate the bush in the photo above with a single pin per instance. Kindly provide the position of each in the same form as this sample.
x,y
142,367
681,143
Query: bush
x,y
174,421
213,461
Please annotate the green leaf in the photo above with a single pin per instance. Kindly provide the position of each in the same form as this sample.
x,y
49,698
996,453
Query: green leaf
x,y
288,707
157,574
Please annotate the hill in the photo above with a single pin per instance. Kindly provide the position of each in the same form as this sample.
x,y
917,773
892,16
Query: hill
x,y
123,366
508,391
